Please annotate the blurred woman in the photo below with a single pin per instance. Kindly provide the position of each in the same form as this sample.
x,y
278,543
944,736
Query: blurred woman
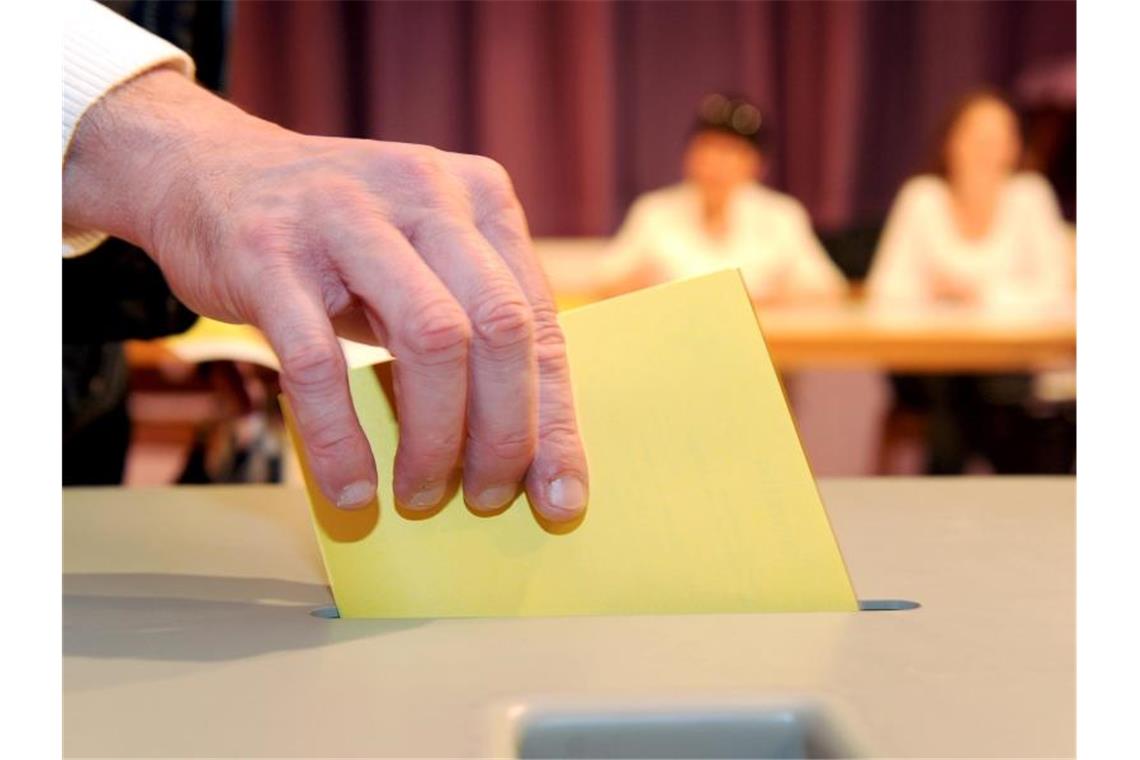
x,y
975,230
720,216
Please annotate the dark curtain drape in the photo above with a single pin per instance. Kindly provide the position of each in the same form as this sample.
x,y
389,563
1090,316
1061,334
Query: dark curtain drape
x,y
587,103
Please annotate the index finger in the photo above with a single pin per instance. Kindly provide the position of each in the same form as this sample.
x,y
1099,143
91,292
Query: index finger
x,y
558,478
314,379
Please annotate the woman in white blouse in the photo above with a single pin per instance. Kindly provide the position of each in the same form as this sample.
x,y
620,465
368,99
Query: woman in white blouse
x,y
720,216
975,231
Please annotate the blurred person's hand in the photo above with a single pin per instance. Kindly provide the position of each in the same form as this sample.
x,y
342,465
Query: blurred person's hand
x,y
306,237
954,287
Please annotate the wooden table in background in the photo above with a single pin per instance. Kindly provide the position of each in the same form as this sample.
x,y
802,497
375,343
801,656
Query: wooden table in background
x,y
852,335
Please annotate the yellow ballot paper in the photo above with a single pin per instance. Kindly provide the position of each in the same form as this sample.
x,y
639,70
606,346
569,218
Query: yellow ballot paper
x,y
701,499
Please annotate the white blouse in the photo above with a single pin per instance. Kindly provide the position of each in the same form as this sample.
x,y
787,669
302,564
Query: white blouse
x,y
769,237
1023,260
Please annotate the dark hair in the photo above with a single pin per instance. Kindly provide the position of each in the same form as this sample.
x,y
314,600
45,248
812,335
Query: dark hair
x,y
936,161
733,115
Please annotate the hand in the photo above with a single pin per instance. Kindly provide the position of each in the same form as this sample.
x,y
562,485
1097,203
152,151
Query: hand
x,y
305,237
955,287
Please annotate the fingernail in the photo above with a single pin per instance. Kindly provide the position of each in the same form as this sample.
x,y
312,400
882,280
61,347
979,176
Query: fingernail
x,y
495,497
567,494
428,496
356,495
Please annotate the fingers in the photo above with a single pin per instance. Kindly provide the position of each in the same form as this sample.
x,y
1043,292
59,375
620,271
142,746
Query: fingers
x,y
502,398
432,208
313,377
557,480
428,334
445,269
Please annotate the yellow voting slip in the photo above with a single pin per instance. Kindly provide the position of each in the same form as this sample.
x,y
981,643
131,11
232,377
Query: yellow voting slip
x,y
701,499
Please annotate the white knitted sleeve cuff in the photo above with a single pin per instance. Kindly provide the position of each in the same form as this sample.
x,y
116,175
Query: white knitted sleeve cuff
x,y
102,50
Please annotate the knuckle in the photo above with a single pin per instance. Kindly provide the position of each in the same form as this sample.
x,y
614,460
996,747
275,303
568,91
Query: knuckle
x,y
311,366
492,174
559,426
424,167
550,342
435,195
503,320
561,443
329,439
493,188
428,456
439,449
509,446
437,333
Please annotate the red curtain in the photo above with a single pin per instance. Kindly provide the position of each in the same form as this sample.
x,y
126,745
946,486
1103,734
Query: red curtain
x,y
587,103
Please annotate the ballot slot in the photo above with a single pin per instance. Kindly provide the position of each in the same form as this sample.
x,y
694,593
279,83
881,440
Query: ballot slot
x,y
865,605
767,731
887,605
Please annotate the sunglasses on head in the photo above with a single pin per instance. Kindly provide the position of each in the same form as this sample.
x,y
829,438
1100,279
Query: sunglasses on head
x,y
731,115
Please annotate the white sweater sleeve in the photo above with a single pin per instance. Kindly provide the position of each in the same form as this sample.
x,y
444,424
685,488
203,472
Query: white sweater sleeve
x,y
102,50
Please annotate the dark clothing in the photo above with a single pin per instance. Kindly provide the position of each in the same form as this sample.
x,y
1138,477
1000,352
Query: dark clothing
x,y
111,294
115,292
991,416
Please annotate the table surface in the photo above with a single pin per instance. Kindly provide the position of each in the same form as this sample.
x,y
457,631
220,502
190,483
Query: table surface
x,y
854,335
187,633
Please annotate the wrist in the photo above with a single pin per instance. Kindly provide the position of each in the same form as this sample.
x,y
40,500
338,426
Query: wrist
x,y
134,151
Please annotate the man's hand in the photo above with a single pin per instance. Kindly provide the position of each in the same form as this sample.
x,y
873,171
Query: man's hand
x,y
424,251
